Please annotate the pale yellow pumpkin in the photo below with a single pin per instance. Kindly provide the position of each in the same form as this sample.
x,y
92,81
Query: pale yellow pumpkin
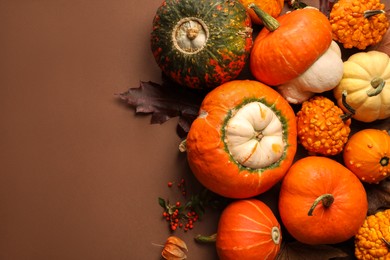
x,y
323,75
365,82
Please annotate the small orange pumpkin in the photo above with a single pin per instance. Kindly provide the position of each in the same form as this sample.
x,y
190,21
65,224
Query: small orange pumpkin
x,y
248,229
289,45
367,154
244,139
272,7
321,201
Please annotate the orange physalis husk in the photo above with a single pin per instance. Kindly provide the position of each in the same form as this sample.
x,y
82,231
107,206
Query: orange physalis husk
x,y
174,249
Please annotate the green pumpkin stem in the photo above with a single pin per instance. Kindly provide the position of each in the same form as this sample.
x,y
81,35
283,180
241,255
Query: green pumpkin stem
x,y
377,84
326,199
351,110
206,239
369,13
269,22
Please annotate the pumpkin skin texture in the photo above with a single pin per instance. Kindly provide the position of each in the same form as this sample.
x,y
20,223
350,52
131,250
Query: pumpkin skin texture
x,y
321,128
367,154
281,55
201,43
331,221
366,81
272,7
243,140
373,236
248,229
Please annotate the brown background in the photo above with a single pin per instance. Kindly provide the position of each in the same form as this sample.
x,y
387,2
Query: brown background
x,y
80,173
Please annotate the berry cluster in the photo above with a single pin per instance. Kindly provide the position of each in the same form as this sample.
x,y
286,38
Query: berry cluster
x,y
180,215
179,219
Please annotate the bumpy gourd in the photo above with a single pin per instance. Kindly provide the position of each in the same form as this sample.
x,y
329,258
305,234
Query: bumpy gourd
x,y
323,127
358,23
243,140
373,238
201,43
365,82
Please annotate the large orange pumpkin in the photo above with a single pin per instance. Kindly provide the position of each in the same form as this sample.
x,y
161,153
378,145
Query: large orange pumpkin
x,y
244,139
321,201
248,229
367,154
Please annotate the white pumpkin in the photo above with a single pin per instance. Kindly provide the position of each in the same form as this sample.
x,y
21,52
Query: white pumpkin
x,y
323,75
366,83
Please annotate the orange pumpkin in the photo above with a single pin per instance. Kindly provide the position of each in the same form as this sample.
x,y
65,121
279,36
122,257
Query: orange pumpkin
x,y
367,154
248,229
244,139
288,45
272,7
321,201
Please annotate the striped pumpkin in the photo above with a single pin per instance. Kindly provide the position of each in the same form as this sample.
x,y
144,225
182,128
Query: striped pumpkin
x,y
248,229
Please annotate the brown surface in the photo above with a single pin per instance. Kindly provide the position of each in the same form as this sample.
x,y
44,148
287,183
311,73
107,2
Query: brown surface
x,y
80,172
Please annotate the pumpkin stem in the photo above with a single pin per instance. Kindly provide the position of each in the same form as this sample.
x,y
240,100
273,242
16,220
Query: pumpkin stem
x,y
296,4
269,22
206,239
386,242
369,13
377,84
183,146
384,161
326,199
276,236
351,110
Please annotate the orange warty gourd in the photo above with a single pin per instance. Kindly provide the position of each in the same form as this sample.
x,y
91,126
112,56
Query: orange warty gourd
x,y
285,49
244,139
321,201
367,154
248,229
372,240
322,126
358,23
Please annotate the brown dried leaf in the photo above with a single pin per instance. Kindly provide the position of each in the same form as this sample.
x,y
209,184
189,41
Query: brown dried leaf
x,y
378,196
299,251
165,101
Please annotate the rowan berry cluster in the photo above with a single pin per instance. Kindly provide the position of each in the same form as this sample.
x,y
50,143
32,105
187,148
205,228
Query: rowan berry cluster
x,y
181,215
179,219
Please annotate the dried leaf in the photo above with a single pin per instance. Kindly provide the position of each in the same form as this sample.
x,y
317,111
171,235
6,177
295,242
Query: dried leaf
x,y
378,196
165,101
299,251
